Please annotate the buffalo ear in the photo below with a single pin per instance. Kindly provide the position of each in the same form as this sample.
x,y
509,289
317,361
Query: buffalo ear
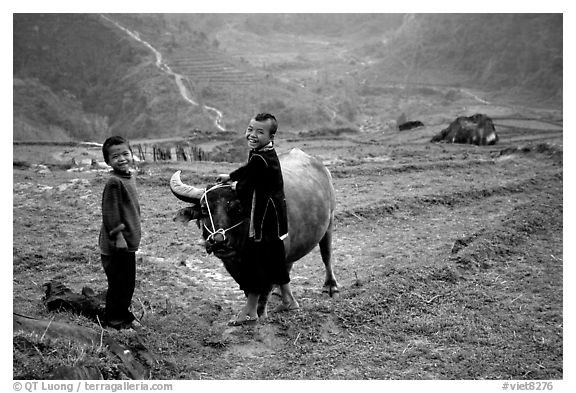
x,y
188,214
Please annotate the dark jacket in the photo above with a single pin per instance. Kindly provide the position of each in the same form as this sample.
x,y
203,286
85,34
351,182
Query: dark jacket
x,y
120,206
260,187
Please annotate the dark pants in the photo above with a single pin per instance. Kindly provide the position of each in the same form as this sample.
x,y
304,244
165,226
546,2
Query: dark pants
x,y
263,264
120,269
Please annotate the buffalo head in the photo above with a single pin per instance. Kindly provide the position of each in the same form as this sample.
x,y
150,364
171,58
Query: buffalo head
x,y
219,213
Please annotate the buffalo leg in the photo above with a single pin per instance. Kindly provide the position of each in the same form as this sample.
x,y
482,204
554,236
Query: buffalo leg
x,y
330,284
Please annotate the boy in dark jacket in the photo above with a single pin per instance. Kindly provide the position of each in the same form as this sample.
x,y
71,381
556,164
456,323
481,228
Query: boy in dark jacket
x,y
120,233
260,187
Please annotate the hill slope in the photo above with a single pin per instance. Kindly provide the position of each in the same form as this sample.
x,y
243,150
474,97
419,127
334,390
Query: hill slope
x,y
83,61
492,51
79,76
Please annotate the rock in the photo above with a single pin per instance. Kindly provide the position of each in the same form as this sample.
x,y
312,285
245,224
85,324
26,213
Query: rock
x,y
410,125
59,297
477,129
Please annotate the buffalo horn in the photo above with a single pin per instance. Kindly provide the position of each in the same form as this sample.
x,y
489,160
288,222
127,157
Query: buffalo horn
x,y
183,191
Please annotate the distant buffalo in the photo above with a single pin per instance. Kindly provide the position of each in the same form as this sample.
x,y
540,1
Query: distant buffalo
x,y
477,129
409,125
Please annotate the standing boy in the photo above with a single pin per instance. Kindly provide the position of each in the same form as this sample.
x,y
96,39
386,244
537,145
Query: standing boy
x,y
260,187
120,233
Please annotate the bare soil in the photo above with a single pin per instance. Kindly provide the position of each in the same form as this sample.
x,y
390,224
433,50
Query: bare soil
x,y
449,260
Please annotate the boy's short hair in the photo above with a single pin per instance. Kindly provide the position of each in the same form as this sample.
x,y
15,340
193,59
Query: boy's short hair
x,y
268,116
112,141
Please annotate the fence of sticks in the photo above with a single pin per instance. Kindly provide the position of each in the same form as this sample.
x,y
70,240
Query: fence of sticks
x,y
180,151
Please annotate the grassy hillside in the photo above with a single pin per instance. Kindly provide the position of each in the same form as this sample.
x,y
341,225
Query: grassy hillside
x,y
78,76
522,52
80,61
217,77
115,87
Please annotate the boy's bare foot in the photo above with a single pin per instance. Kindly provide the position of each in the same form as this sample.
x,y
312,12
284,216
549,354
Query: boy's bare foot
x,y
243,319
249,313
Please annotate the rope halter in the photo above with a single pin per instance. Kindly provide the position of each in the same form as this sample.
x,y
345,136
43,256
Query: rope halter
x,y
214,231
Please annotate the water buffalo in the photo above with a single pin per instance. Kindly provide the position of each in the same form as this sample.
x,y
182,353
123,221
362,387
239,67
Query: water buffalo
x,y
224,221
477,129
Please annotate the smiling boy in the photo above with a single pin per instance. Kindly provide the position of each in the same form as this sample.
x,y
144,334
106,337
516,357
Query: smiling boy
x,y
120,233
260,187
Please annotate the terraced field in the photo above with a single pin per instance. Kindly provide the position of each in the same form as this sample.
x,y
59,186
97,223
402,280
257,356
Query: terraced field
x,y
204,67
